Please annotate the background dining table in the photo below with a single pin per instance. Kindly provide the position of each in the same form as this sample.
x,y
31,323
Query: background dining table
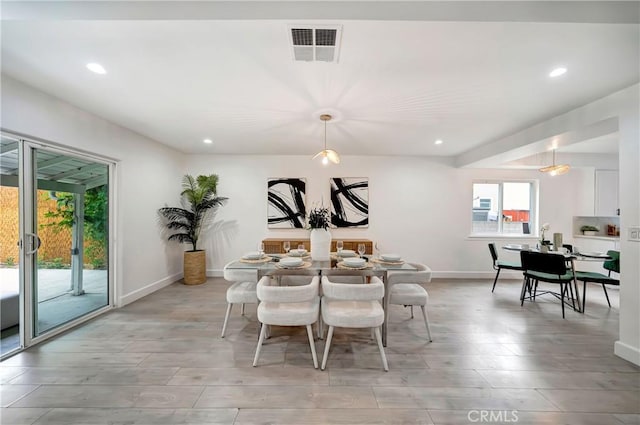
x,y
571,258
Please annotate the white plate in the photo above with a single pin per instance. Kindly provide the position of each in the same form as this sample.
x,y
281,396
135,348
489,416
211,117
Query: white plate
x,y
391,257
253,255
346,253
354,262
291,262
298,252
513,246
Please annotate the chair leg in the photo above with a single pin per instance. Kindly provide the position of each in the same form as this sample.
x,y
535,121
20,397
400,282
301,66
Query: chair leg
x,y
426,322
242,310
584,295
525,285
320,330
606,295
226,319
382,354
573,301
495,280
411,312
535,290
327,344
312,344
263,330
562,291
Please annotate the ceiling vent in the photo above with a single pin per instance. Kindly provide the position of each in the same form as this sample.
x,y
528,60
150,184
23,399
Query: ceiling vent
x,y
315,43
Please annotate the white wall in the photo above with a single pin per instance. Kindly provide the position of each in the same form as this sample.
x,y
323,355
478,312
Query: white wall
x,y
418,207
148,176
628,346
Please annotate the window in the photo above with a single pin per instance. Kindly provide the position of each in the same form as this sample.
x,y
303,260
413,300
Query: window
x,y
503,208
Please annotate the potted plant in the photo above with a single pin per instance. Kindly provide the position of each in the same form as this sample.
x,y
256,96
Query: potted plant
x,y
589,230
543,229
200,202
320,237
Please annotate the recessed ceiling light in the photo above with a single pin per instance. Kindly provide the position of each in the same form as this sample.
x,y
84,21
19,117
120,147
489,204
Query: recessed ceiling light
x,y
208,141
97,68
557,72
438,142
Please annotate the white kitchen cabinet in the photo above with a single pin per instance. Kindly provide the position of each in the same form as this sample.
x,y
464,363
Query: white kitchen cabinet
x,y
606,196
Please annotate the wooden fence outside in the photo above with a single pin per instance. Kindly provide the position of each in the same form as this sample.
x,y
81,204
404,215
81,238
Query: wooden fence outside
x,y
56,241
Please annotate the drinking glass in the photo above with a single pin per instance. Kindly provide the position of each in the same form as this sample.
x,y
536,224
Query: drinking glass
x,y
339,246
361,249
301,247
287,246
376,251
262,248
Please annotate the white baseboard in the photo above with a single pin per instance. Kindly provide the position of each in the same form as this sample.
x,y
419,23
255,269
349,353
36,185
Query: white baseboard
x,y
215,272
150,288
476,275
627,352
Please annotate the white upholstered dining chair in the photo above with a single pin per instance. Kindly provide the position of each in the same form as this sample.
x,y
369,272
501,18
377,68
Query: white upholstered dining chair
x,y
405,289
242,290
346,305
288,306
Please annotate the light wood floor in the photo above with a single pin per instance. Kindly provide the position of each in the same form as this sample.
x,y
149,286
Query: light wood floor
x,y
161,361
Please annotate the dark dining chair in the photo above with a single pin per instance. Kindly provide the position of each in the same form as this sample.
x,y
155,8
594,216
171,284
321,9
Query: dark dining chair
x,y
499,265
545,267
612,265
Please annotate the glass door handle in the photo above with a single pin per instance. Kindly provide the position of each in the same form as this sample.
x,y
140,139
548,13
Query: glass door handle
x,y
37,244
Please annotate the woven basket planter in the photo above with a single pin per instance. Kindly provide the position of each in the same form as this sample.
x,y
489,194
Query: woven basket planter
x,y
195,267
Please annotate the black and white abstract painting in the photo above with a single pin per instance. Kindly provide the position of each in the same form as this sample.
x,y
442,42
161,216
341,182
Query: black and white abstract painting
x,y
286,203
350,202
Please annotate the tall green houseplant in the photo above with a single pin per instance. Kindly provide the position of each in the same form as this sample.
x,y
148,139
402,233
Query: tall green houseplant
x,y
200,201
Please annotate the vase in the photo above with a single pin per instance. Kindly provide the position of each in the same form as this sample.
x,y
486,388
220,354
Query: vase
x,y
320,244
195,267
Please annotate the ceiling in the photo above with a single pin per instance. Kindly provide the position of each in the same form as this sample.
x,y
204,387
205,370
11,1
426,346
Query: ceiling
x,y
399,84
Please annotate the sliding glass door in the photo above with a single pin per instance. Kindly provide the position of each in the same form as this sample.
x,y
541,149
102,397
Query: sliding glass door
x,y
10,288
71,204
60,267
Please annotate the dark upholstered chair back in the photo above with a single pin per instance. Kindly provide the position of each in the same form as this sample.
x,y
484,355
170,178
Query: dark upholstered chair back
x,y
613,264
544,263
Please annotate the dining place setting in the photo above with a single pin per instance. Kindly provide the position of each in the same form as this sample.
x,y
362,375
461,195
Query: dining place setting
x,y
255,257
349,259
297,258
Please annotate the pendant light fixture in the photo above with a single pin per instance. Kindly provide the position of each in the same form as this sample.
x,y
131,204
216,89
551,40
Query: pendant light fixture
x,y
555,170
327,154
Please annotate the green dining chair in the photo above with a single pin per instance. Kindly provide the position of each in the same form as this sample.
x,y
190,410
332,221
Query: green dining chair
x,y
550,268
612,265
499,264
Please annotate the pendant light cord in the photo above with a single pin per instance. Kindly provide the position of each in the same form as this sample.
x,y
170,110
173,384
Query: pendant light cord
x,y
325,135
